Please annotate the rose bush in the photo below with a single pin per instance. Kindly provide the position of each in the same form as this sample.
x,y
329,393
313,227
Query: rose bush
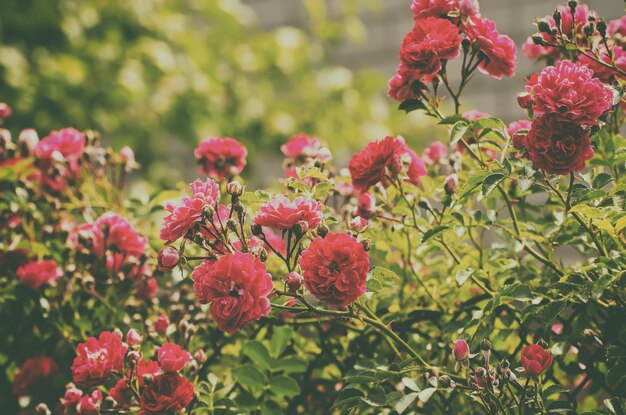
x,y
485,275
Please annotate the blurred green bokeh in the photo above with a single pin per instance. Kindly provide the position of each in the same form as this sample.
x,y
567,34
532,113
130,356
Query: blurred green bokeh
x,y
159,75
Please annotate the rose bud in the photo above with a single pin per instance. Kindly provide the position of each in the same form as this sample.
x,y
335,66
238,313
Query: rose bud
x,y
525,100
485,345
5,110
168,258
235,188
367,244
293,281
42,409
322,230
133,337
72,396
461,350
200,356
27,141
127,155
161,324
535,359
451,183
358,223
256,230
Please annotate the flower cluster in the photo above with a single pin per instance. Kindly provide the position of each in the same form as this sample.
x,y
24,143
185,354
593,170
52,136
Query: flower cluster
x,y
567,100
109,366
441,28
221,157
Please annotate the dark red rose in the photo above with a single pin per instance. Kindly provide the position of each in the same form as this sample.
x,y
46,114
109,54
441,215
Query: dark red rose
x,y
97,358
535,359
335,269
166,392
556,147
35,372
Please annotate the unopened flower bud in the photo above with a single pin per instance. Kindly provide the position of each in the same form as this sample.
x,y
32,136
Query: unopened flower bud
x,y
118,333
481,372
235,188
200,356
444,381
543,25
238,207
466,45
232,224
27,141
538,39
367,244
161,324
168,258
127,155
461,350
262,255
42,409
358,223
601,26
589,29
300,229
208,212
256,230
133,337
572,6
5,110
133,357
557,18
293,281
322,230
485,345
451,184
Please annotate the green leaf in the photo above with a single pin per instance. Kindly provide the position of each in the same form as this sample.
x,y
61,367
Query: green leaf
x,y
434,231
373,285
491,182
377,397
458,131
587,211
291,364
518,292
249,376
453,119
280,339
257,352
472,183
614,405
551,310
553,390
284,386
425,394
462,276
384,274
412,105
406,401
601,180
491,123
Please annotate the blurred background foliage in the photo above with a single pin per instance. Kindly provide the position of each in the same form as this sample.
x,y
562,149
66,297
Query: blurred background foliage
x,y
160,75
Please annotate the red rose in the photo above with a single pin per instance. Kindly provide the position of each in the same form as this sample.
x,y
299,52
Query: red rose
x,y
34,373
335,269
221,157
499,53
146,289
5,111
172,357
161,323
569,90
183,217
280,213
606,75
555,146
122,393
67,146
383,158
535,359
400,86
367,204
236,286
431,40
301,147
134,337
97,358
168,258
167,392
435,152
37,273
